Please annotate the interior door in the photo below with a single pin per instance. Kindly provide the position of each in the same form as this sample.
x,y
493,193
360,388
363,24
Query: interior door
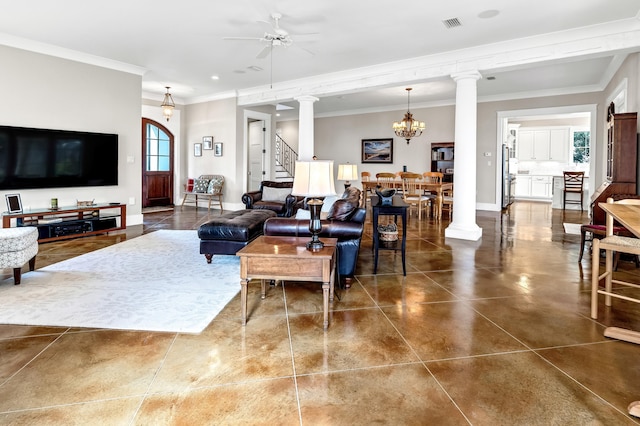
x,y
257,152
157,167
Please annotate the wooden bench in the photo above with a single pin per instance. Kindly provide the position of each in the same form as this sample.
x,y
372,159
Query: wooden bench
x,y
210,190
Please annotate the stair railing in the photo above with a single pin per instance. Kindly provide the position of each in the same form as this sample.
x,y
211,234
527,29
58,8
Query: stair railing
x,y
285,156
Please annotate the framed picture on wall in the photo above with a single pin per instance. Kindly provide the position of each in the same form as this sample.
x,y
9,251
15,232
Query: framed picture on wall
x,y
217,149
207,142
197,150
377,151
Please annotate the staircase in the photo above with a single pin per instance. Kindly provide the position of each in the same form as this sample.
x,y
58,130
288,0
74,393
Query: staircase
x,y
285,158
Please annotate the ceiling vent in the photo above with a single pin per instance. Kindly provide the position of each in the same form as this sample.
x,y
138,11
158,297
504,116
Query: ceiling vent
x,y
452,23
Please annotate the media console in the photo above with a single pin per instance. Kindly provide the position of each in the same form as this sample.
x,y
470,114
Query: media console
x,y
71,222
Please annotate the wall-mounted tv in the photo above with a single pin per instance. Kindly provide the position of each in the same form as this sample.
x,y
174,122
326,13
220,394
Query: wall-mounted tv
x,y
42,158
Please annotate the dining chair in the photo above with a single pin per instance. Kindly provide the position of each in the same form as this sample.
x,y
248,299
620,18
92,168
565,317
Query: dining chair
x,y
411,192
386,180
432,177
573,184
365,178
611,244
447,201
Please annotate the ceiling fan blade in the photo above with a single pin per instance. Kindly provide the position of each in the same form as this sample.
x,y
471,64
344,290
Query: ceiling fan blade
x,y
264,52
242,38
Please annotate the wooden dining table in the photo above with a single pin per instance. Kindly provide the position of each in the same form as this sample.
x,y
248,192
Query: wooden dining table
x,y
436,188
628,215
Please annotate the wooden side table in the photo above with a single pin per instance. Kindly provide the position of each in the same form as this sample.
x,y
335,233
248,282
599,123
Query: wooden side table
x,y
397,208
287,258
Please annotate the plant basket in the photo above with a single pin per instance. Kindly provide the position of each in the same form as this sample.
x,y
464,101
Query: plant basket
x,y
388,232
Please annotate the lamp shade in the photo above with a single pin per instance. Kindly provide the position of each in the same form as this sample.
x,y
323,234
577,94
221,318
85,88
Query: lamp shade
x,y
313,179
347,172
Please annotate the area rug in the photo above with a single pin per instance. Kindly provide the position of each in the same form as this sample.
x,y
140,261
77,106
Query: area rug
x,y
156,282
572,228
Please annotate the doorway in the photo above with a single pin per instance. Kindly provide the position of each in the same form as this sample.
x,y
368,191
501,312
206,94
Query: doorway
x,y
157,164
537,114
257,150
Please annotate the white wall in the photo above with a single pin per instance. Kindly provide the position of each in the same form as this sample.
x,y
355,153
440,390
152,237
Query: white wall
x,y
45,92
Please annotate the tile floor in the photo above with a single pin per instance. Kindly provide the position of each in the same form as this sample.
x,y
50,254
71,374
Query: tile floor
x,y
494,332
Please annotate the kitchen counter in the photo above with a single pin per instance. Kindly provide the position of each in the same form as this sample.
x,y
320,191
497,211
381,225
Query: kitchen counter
x,y
558,186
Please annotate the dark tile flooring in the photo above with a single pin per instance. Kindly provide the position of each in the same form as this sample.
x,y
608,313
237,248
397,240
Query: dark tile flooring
x,y
494,332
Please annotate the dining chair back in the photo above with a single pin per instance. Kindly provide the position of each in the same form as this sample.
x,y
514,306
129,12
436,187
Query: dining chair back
x,y
385,180
411,192
573,184
433,177
612,244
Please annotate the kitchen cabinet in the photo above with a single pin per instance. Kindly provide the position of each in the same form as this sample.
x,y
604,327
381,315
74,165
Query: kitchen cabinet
x,y
538,187
523,186
543,145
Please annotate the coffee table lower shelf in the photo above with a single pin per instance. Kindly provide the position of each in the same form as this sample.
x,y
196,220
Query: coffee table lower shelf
x,y
287,259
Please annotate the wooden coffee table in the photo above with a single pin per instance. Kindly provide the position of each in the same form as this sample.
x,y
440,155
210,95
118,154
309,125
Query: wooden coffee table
x,y
287,258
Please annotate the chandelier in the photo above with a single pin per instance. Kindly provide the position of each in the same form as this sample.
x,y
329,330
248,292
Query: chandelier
x,y
167,104
408,128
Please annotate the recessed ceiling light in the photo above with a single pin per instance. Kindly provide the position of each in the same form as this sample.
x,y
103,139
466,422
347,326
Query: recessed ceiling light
x,y
215,77
491,13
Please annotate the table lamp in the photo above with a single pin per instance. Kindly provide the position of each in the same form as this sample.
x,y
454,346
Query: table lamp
x,y
347,172
314,179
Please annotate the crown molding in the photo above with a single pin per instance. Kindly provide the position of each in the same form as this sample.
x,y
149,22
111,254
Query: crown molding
x,y
72,55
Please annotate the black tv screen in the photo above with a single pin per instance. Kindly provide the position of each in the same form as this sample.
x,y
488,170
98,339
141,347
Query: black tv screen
x,y
41,158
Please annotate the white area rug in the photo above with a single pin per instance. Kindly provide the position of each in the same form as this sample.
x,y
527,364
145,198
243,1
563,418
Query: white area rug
x,y
572,228
156,282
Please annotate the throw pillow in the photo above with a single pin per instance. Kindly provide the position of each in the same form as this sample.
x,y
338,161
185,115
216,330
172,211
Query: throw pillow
x,y
328,202
352,194
303,214
201,185
275,194
190,184
342,210
215,185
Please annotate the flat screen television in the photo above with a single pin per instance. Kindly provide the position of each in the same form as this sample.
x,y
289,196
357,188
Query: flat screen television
x,y
43,158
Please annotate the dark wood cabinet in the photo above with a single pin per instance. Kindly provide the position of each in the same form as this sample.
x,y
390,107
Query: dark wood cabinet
x,y
622,164
442,159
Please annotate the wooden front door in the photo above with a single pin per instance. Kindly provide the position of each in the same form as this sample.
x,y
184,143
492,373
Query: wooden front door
x,y
157,164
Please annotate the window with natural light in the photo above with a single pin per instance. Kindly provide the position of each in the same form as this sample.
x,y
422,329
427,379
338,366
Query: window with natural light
x,y
580,146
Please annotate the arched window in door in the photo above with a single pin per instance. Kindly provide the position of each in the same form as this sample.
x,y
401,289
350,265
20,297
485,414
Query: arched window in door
x,y
157,172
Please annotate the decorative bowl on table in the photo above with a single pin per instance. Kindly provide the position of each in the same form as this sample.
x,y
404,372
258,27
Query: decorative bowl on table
x,y
385,196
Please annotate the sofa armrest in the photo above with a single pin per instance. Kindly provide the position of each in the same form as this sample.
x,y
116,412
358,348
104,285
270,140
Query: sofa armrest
x,y
290,227
291,205
250,198
359,215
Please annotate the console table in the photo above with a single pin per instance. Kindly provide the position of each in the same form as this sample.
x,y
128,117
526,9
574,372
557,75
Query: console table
x,y
397,208
71,222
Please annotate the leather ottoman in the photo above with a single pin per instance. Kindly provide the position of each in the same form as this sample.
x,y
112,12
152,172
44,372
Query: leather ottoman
x,y
228,233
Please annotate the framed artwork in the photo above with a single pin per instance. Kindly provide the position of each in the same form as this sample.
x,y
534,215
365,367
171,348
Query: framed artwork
x,y
207,142
197,149
14,204
377,151
217,149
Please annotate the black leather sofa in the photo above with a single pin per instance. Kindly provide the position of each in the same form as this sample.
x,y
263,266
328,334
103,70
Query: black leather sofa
x,y
347,229
285,206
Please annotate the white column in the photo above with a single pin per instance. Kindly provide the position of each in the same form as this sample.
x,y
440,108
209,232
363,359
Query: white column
x,y
463,226
305,127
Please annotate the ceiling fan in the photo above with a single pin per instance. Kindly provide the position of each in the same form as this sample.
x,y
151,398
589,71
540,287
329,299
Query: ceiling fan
x,y
277,36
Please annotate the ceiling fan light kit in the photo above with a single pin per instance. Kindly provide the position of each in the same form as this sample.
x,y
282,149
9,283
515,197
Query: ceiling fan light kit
x,y
409,127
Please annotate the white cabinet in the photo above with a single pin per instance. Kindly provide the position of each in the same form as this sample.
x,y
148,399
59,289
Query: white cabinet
x,y
533,187
559,145
523,186
543,144
541,186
